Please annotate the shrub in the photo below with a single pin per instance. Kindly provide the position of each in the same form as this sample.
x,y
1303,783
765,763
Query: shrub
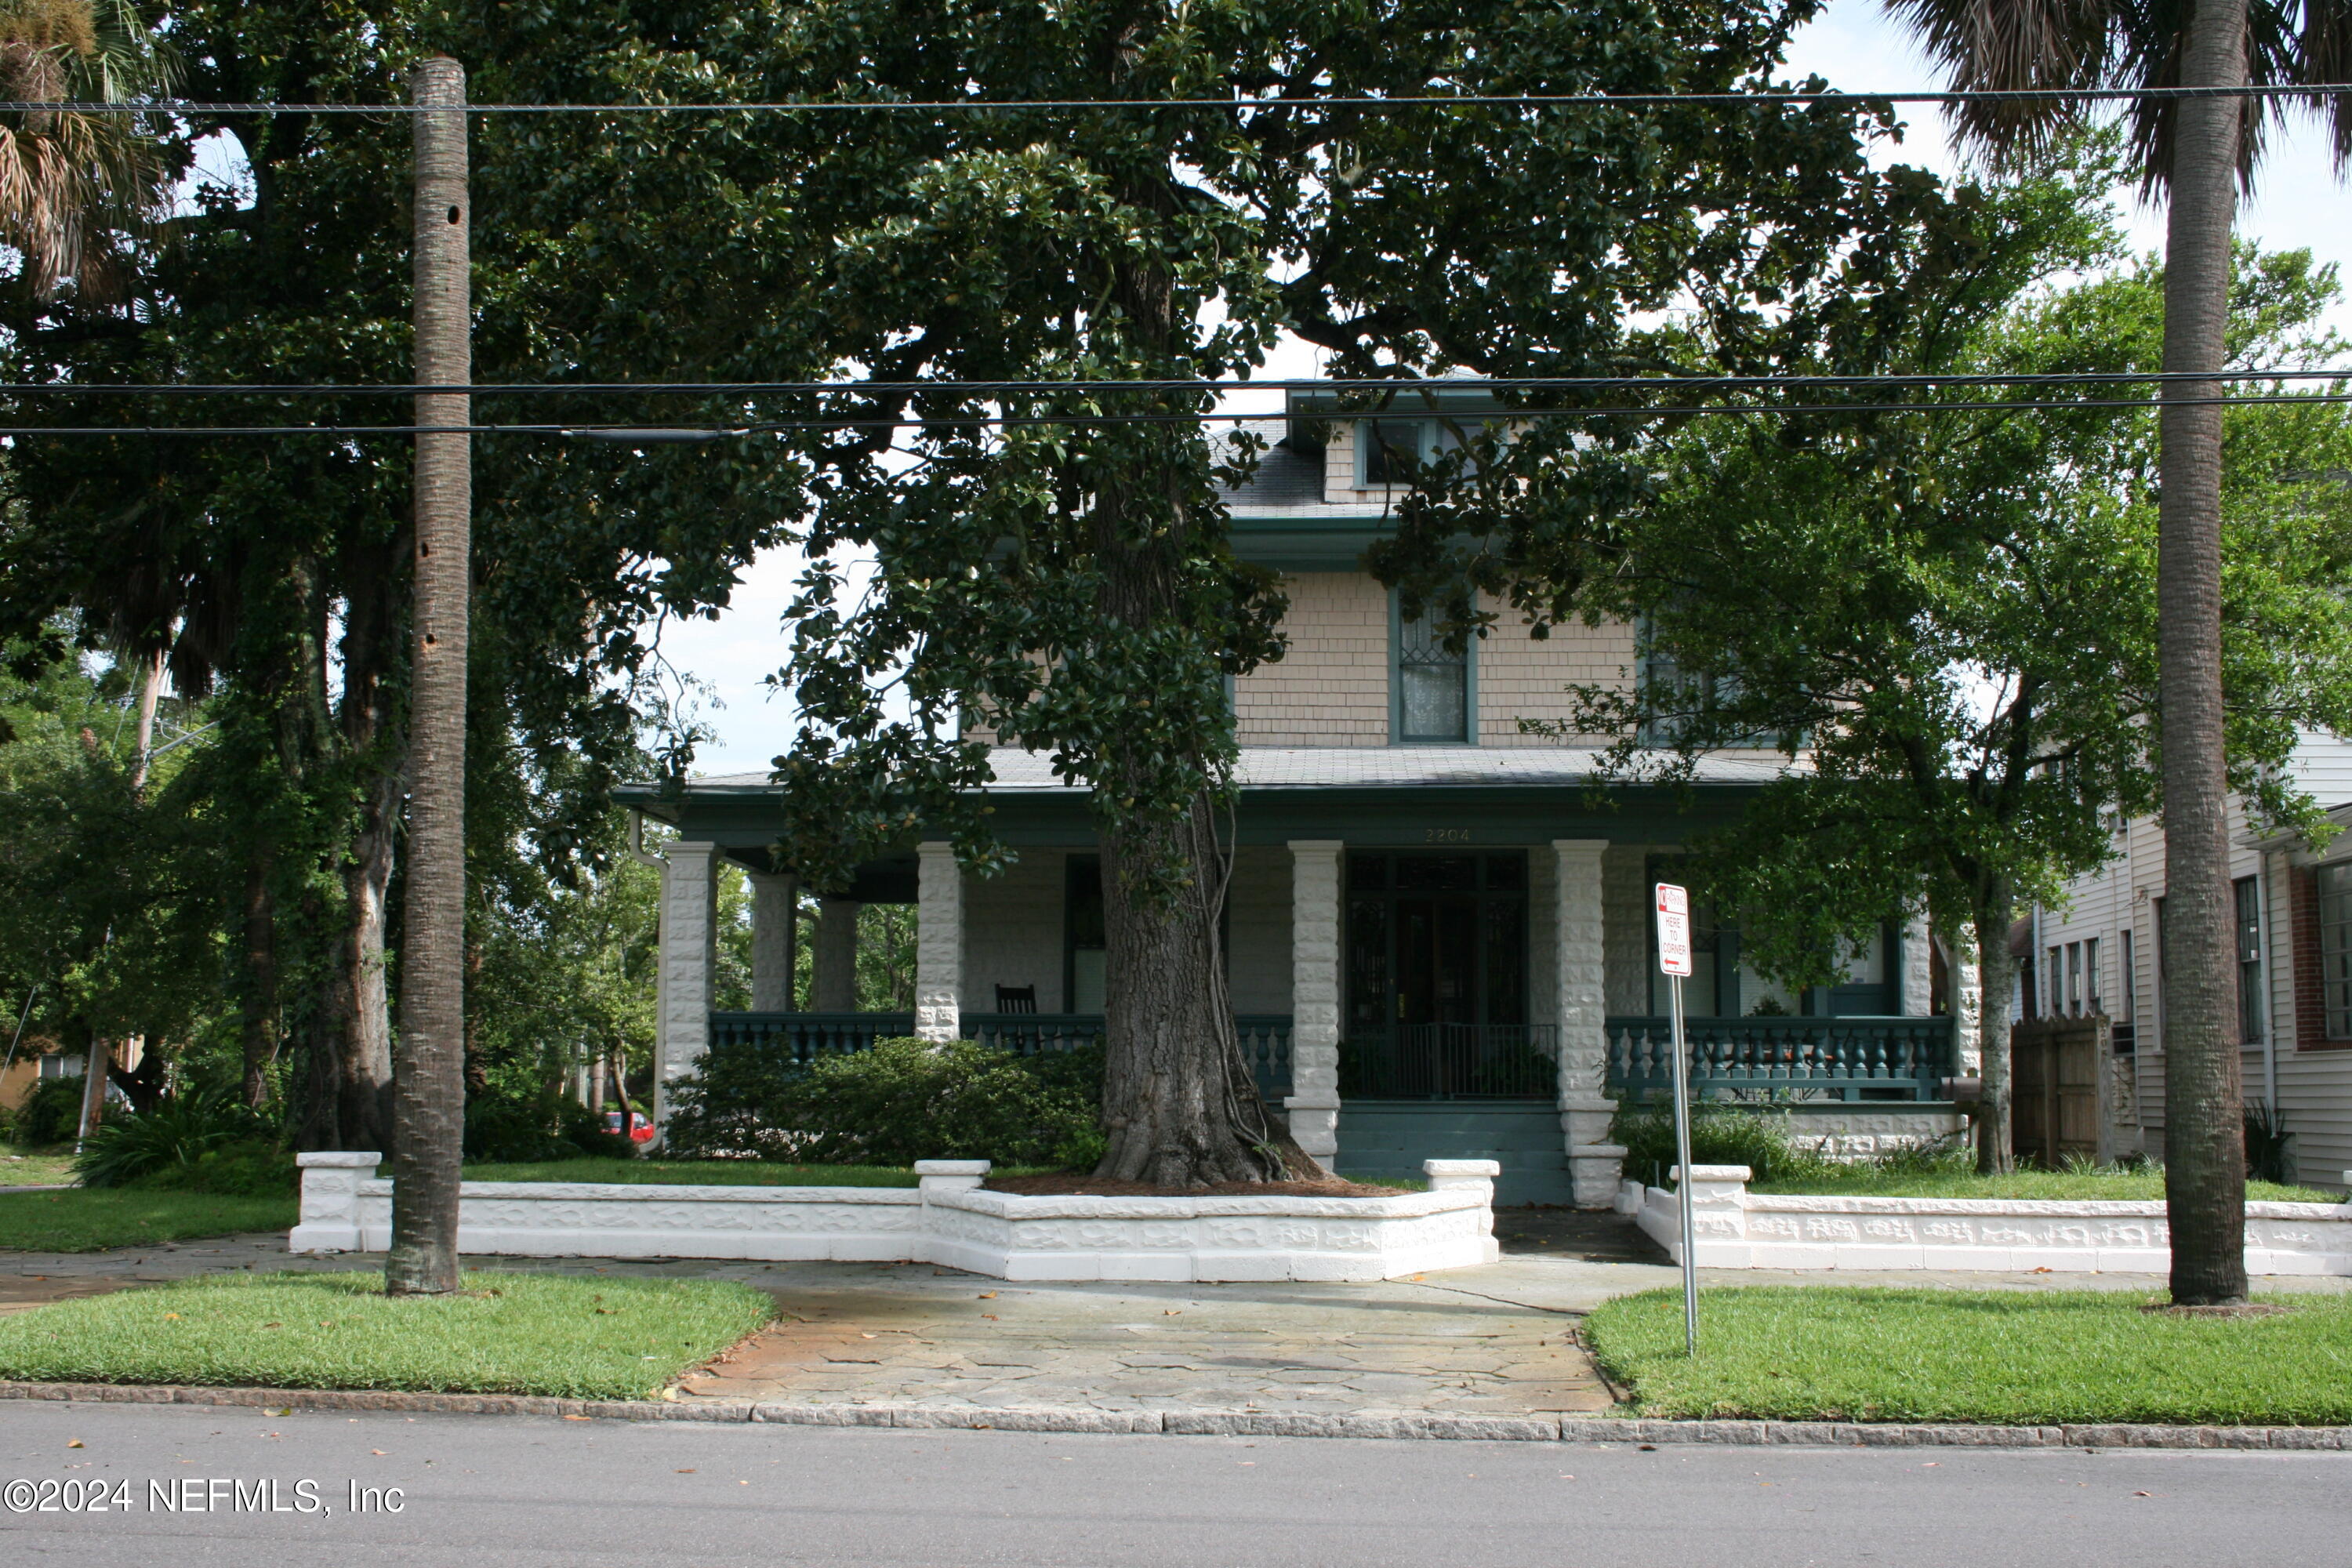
x,y
900,1101
249,1168
1720,1135
507,1128
50,1115
170,1137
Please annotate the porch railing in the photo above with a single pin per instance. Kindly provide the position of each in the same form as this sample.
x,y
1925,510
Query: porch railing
x,y
801,1037
1452,1061
1850,1059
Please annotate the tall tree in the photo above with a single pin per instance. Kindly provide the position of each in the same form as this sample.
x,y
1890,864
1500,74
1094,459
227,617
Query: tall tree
x,y
1066,582
1952,616
428,1085
2197,150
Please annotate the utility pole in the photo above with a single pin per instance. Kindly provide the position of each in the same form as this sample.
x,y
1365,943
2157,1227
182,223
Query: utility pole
x,y
428,1105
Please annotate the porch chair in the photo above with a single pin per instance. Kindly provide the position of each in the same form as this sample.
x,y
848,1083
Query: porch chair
x,y
1016,998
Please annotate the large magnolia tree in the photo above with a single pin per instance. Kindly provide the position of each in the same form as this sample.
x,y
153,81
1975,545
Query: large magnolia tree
x,y
1063,581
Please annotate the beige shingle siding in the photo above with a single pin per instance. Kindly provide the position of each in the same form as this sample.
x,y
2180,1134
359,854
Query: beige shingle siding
x,y
1331,689
1520,678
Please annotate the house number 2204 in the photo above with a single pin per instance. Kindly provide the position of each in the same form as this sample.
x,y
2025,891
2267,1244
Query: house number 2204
x,y
1447,836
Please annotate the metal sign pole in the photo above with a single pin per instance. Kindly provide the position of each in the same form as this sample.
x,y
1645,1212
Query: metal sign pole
x,y
1683,1157
1675,959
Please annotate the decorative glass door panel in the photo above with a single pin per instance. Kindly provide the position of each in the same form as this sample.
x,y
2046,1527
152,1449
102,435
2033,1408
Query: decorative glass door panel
x,y
1437,965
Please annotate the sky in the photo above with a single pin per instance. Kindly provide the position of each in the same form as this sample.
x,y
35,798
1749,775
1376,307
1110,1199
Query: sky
x,y
2298,203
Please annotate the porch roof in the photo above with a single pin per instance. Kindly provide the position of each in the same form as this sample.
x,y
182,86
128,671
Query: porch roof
x,y
1276,768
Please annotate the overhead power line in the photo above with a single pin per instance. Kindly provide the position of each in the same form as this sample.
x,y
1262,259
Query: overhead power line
x,y
1420,101
1103,384
650,435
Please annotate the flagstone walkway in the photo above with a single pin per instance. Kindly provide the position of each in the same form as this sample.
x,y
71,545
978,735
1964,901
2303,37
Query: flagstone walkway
x,y
1498,1341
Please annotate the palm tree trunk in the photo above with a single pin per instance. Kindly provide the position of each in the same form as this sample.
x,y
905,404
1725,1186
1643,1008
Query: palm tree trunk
x,y
2204,1152
428,1088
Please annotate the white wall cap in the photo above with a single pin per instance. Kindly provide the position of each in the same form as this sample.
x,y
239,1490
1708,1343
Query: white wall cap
x,y
951,1167
343,1158
1715,1173
1461,1167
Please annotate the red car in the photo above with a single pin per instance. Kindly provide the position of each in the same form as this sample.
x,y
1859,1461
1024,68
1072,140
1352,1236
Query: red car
x,y
641,1131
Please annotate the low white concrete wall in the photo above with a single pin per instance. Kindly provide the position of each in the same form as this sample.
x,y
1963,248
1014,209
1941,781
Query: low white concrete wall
x,y
946,1219
1735,1229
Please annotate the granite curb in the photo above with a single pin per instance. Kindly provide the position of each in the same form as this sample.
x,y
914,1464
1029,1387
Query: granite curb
x,y
1586,1429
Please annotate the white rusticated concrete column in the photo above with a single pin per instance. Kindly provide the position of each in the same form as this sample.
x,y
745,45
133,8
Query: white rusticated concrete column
x,y
1581,932
1313,1103
833,966
1968,1002
689,952
938,943
1914,970
775,940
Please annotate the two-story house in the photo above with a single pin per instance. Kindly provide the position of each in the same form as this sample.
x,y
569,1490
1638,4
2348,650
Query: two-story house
x,y
2101,952
1440,943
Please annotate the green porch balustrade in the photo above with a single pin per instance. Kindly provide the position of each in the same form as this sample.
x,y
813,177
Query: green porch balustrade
x,y
803,1037
1835,1059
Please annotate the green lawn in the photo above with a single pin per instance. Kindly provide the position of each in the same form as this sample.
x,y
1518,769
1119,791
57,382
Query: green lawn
x,y
1865,1180
33,1167
1846,1353
695,1173
87,1219
509,1333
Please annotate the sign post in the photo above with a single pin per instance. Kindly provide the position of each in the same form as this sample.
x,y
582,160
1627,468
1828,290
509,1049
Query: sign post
x,y
1675,959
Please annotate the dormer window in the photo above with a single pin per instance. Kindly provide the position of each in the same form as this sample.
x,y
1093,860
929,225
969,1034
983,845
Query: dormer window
x,y
1388,450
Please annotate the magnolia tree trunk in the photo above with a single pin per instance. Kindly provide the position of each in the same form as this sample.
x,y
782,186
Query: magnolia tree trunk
x,y
1996,970
2204,1137
429,1087
1180,1106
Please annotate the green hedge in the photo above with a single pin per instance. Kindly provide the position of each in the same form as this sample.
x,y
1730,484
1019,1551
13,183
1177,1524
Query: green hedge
x,y
900,1101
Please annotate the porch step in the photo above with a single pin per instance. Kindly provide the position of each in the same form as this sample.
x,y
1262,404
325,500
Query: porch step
x,y
1392,1137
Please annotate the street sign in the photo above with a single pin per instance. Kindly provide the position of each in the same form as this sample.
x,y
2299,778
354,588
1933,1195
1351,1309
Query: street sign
x,y
1675,958
1673,929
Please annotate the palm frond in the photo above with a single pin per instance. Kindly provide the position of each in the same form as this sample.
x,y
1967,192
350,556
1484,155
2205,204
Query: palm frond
x,y
71,184
2024,45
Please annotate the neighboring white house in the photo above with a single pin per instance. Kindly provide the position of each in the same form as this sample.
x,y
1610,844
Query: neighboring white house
x,y
1440,944
2102,953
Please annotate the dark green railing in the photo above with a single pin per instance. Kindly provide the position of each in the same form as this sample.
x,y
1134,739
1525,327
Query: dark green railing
x,y
1850,1059
803,1037
1452,1061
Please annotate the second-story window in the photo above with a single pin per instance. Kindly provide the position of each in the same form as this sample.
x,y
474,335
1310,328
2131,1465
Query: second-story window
x,y
1433,686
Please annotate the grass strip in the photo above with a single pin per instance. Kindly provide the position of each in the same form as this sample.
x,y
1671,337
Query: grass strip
x,y
1851,1353
1867,1181
508,1333
35,1167
90,1219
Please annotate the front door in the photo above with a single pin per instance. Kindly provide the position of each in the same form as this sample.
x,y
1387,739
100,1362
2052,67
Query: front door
x,y
1437,959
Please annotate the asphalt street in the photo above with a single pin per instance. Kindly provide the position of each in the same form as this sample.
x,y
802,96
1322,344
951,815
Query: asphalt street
x,y
512,1490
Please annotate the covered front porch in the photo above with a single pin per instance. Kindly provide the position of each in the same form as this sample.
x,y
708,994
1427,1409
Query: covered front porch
x,y
1418,968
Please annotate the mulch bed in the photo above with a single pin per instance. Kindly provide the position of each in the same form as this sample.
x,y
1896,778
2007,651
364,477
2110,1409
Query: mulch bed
x,y
1070,1184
